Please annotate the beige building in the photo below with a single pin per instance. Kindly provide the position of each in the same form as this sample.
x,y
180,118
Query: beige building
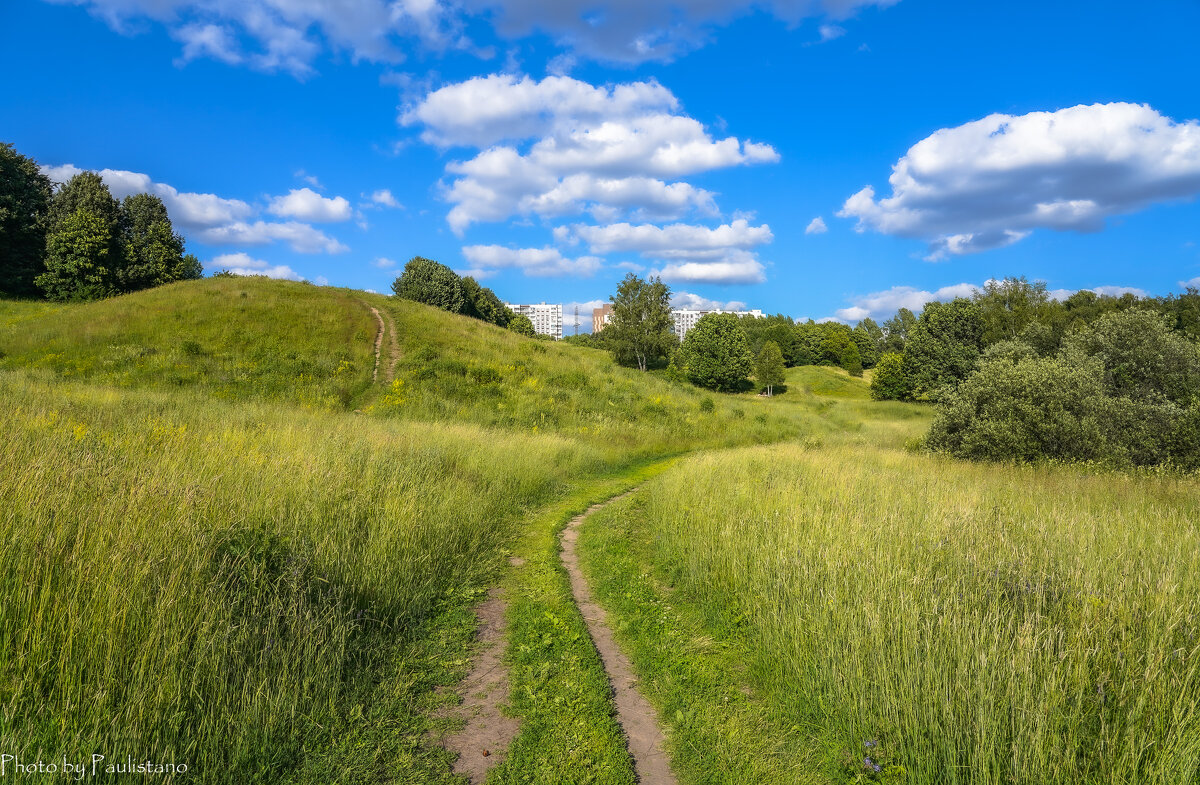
x,y
601,317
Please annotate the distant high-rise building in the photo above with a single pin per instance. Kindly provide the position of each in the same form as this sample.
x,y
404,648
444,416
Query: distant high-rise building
x,y
684,319
601,317
547,319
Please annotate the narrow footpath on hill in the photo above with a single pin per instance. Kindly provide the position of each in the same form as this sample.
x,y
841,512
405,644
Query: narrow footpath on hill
x,y
378,342
638,718
482,743
385,326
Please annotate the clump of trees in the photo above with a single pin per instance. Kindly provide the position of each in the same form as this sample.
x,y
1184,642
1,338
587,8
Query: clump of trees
x,y
939,349
77,242
432,283
1124,390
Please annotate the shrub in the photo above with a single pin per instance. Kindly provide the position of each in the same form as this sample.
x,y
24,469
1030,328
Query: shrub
x,y
889,382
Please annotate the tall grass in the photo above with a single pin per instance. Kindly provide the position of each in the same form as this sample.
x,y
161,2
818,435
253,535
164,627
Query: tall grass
x,y
953,623
188,579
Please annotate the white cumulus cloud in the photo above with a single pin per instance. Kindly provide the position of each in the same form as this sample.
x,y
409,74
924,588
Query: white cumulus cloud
x,y
560,146
188,210
288,35
816,226
308,205
991,182
244,264
301,237
884,304
540,262
685,252
635,31
383,197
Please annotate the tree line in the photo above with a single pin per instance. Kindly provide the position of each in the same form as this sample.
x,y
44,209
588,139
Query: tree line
x,y
1015,374
75,242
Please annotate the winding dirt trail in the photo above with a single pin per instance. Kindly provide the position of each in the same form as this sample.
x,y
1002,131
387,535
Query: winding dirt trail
x,y
482,742
638,718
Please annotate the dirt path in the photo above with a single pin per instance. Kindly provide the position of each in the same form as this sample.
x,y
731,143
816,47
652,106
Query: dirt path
x,y
378,342
481,744
393,346
634,712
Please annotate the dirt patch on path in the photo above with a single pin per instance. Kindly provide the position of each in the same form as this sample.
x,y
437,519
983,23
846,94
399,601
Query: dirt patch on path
x,y
634,712
393,346
482,742
378,342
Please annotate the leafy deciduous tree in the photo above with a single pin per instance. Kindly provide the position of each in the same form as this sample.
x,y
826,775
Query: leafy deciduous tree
x,y
426,281
768,368
522,325
889,382
25,195
942,347
715,353
78,257
640,330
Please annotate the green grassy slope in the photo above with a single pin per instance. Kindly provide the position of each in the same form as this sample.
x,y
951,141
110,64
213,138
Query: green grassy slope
x,y
798,610
224,545
239,338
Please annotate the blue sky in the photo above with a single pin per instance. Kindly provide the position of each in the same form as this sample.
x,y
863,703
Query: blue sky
x,y
550,152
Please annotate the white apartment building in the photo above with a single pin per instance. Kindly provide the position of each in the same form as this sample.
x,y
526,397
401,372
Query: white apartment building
x,y
547,319
685,319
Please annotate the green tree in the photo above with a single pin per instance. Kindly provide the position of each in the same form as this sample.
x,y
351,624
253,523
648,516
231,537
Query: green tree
x,y
852,360
1007,307
777,328
1142,358
715,353
889,382
868,350
482,303
897,329
806,344
78,257
768,368
426,281
86,191
640,331
151,253
837,337
522,325
25,195
942,347
877,338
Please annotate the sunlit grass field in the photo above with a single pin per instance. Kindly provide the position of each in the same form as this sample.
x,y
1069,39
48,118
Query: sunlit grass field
x,y
223,545
942,621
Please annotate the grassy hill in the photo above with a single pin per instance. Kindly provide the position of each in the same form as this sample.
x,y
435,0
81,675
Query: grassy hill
x,y
229,541
223,541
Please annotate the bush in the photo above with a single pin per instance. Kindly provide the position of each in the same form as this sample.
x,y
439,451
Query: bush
x,y
1125,392
889,382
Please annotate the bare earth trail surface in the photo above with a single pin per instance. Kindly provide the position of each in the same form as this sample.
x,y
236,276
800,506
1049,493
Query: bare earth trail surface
x,y
637,717
378,342
485,737
393,344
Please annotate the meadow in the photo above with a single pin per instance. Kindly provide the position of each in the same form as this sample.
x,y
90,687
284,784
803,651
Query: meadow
x,y
866,614
225,545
